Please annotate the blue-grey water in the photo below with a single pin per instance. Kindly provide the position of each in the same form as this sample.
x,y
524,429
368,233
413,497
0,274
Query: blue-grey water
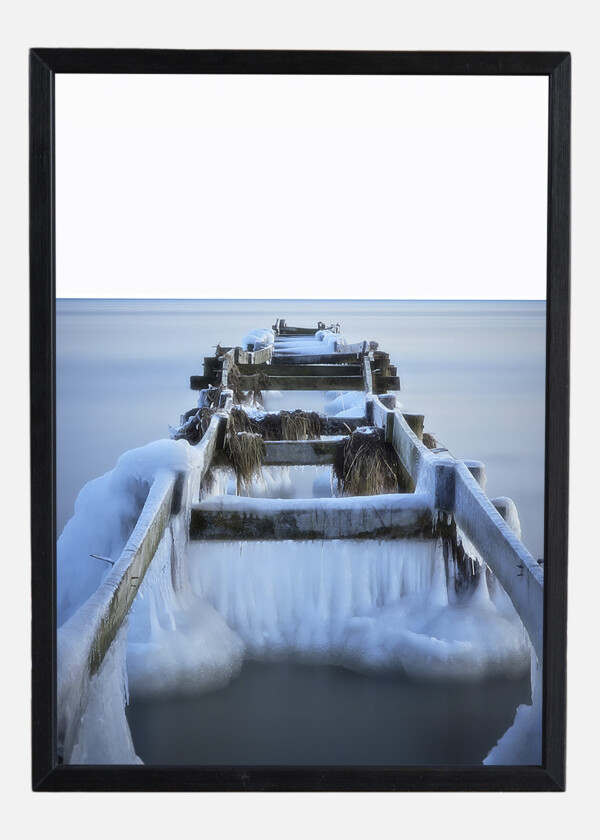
x,y
475,369
324,715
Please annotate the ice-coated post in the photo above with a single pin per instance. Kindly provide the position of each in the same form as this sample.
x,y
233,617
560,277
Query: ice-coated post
x,y
477,470
445,482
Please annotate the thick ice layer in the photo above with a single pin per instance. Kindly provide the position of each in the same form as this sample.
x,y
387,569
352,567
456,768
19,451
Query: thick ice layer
x,y
354,400
257,339
102,734
368,606
106,511
177,643
323,342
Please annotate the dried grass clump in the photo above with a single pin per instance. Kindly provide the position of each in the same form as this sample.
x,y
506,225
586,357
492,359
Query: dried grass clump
x,y
260,383
212,396
207,485
429,441
194,425
254,395
366,466
284,425
234,382
300,425
245,448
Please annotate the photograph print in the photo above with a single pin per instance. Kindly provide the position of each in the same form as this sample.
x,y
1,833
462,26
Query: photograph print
x,y
301,372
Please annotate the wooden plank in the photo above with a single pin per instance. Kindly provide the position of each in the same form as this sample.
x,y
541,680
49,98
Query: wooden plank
x,y
244,357
309,383
301,370
285,330
382,384
283,453
290,453
212,368
416,423
391,516
367,375
359,347
319,359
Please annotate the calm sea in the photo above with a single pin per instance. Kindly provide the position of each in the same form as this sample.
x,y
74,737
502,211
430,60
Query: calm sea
x,y
475,369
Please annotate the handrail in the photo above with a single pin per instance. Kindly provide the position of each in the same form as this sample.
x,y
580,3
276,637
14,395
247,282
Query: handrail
x,y
456,492
84,639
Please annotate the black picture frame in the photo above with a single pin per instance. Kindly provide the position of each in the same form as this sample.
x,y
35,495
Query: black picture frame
x,y
47,773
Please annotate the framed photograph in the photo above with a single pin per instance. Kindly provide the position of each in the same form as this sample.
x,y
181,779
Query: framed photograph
x,y
299,424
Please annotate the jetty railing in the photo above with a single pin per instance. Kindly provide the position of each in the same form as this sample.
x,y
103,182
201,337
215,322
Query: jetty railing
x,y
85,638
457,493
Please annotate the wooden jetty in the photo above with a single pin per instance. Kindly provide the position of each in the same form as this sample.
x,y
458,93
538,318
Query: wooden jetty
x,y
436,494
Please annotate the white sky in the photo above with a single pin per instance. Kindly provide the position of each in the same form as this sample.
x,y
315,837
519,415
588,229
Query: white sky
x,y
301,186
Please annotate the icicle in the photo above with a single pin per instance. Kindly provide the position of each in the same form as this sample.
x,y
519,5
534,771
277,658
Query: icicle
x,y
369,605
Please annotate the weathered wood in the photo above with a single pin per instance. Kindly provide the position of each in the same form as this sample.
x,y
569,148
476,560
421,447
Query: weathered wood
x,y
416,422
276,369
296,331
283,453
359,347
337,359
391,516
388,400
289,453
367,375
212,367
307,383
245,357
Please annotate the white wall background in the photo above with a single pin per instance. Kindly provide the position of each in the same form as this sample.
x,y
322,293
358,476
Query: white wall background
x,y
347,24
301,186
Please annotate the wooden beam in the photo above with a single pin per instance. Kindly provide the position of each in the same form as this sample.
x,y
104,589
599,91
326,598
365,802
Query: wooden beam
x,y
416,423
285,330
301,370
381,384
321,359
365,517
292,453
245,357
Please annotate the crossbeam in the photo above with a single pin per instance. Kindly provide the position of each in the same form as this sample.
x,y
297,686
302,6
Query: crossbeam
x,y
278,369
292,453
390,516
316,358
339,382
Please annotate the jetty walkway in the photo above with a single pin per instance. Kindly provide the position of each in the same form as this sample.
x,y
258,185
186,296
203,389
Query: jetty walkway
x,y
435,494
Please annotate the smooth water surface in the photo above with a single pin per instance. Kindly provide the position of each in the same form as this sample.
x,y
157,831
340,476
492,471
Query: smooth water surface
x,y
324,715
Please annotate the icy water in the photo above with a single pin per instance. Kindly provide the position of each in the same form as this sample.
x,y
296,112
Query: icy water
x,y
313,714
475,369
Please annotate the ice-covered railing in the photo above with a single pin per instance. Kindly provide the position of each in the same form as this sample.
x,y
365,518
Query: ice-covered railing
x,y
255,347
326,341
90,636
455,492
